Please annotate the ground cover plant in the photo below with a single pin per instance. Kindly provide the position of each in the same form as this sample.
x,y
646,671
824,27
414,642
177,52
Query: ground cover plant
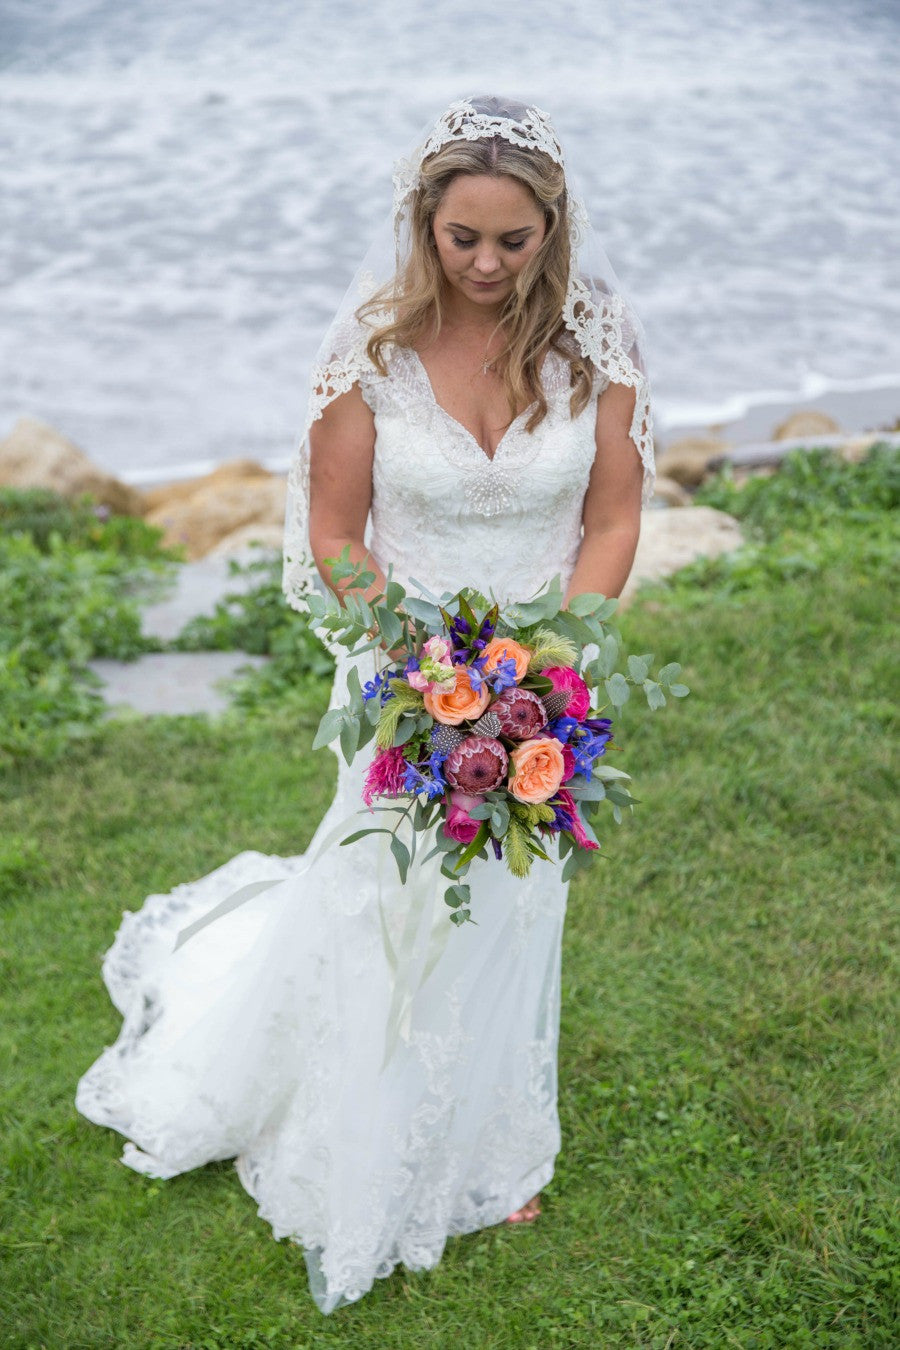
x,y
728,1046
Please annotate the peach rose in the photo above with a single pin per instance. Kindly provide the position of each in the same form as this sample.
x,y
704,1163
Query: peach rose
x,y
501,649
457,702
539,768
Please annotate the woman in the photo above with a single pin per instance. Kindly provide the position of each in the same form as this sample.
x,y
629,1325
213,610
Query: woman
x,y
480,418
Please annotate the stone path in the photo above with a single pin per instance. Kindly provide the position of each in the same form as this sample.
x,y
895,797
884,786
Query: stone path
x,y
178,682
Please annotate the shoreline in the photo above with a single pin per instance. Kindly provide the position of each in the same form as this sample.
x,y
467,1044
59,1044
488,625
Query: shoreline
x,y
854,410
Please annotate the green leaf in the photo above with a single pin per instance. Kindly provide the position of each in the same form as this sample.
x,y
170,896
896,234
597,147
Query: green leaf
x,y
476,845
588,602
607,656
406,729
617,690
329,727
608,772
461,916
349,737
360,834
655,696
354,689
679,690
669,673
457,895
639,667
389,625
394,595
401,857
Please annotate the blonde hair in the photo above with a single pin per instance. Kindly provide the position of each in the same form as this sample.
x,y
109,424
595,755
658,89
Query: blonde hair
x,y
532,316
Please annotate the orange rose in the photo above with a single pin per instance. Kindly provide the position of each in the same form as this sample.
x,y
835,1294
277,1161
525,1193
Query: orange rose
x,y
458,702
538,769
501,649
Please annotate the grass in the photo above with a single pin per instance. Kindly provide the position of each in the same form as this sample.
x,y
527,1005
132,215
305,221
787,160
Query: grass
x,y
728,1061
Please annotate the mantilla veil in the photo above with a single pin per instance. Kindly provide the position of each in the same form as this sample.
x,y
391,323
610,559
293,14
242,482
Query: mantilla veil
x,y
595,311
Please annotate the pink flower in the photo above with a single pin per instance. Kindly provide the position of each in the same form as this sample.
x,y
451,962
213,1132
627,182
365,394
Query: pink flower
x,y
435,666
459,825
566,679
569,761
478,764
565,799
385,775
521,714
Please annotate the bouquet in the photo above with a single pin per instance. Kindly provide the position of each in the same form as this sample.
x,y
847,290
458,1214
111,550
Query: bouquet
x,y
489,723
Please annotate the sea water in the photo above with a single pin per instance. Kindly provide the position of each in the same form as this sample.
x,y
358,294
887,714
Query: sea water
x,y
185,189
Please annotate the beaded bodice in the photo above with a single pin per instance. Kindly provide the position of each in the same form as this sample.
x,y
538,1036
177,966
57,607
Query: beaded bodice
x,y
447,515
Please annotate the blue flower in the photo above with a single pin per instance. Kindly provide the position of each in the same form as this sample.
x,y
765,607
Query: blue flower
x,y
503,676
378,687
563,727
587,747
433,783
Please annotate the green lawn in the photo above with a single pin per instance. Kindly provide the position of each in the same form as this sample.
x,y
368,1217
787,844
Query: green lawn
x,y
728,1052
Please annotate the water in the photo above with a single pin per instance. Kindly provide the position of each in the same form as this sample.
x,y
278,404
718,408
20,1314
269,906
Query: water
x,y
186,189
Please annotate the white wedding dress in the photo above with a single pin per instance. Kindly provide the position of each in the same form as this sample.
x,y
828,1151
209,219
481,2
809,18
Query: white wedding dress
x,y
373,1105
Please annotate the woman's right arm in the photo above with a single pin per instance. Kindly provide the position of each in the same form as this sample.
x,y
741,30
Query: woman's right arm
x,y
342,450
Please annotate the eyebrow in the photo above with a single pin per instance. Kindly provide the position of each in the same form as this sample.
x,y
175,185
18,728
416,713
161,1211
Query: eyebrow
x,y
522,229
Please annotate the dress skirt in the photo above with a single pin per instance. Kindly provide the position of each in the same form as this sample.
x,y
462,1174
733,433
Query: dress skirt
x,y
382,1079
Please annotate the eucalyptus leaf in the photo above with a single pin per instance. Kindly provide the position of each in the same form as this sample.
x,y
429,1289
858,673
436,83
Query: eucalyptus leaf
x,y
349,737
401,857
329,727
607,656
669,673
655,696
617,689
679,690
639,667
360,834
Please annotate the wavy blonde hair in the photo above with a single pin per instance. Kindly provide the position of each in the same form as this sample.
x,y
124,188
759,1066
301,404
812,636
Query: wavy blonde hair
x,y
532,316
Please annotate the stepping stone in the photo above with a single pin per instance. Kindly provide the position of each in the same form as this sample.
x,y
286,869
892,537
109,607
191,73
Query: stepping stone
x,y
171,682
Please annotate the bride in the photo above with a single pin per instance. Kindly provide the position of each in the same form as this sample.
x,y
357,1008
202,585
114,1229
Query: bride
x,y
479,416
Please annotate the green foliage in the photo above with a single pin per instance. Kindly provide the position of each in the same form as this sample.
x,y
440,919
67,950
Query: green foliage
x,y
42,514
811,489
816,513
60,606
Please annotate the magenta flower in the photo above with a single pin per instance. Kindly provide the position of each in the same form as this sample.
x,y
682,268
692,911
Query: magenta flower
x,y
568,680
565,799
385,775
459,825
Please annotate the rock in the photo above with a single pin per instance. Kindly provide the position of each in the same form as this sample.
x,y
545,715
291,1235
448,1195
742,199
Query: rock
x,y
804,424
670,492
217,508
672,539
35,455
687,460
186,487
244,541
855,450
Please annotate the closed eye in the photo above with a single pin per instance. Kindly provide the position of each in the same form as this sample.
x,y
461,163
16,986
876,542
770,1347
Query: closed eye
x,y
508,244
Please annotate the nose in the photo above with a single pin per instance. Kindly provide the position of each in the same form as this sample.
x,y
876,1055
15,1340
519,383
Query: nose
x,y
486,260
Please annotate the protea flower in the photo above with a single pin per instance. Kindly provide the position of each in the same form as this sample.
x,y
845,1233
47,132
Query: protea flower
x,y
521,714
477,765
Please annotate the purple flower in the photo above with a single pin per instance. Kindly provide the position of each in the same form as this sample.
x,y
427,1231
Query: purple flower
x,y
378,688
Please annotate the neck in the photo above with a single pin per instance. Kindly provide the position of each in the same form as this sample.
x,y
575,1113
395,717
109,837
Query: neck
x,y
464,314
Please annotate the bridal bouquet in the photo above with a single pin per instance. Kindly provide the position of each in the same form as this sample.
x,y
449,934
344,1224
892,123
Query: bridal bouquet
x,y
486,733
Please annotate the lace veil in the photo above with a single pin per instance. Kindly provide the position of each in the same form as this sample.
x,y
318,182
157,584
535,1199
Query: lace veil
x,y
595,311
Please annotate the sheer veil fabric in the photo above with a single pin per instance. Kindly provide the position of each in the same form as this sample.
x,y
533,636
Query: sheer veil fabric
x,y
596,311
374,1107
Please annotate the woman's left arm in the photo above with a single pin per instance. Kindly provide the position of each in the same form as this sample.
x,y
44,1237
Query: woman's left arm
x,y
612,505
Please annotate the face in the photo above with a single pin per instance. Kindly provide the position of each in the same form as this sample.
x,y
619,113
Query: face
x,y
486,229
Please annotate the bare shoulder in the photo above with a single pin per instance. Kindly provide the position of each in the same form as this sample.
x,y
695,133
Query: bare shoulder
x,y
346,415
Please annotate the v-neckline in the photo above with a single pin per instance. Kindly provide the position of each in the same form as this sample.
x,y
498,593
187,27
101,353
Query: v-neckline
x,y
476,444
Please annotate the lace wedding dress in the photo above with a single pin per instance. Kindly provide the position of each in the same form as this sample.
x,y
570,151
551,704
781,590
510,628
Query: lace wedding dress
x,y
272,1035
